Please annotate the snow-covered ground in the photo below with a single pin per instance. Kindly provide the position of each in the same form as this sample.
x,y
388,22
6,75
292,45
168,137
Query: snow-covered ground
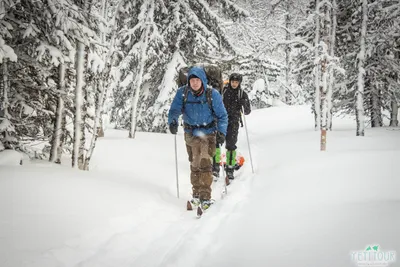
x,y
301,207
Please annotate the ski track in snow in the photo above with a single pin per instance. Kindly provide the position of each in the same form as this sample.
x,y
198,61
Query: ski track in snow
x,y
198,233
114,246
114,249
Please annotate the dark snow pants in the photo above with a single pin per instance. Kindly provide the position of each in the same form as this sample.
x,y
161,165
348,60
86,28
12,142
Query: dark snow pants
x,y
201,151
232,135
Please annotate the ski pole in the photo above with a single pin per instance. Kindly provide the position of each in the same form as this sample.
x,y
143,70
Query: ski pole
x,y
248,142
176,168
223,167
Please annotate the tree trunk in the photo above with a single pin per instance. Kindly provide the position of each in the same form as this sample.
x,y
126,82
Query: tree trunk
x,y
331,69
6,127
288,52
317,99
2,111
361,72
95,126
376,114
324,69
56,146
394,122
4,106
136,88
62,138
100,129
78,157
79,126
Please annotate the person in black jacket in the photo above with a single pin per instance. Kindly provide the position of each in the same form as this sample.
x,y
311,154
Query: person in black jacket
x,y
236,102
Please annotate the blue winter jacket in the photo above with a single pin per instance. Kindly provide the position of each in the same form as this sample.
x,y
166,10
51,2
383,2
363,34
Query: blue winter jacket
x,y
197,112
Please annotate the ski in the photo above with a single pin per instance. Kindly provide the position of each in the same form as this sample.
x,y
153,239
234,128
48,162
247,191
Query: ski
x,y
203,207
199,212
227,180
189,205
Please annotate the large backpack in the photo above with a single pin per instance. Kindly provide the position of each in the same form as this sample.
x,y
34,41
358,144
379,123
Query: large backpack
x,y
213,73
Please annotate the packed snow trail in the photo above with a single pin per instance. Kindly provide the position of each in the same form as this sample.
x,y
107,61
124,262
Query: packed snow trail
x,y
196,235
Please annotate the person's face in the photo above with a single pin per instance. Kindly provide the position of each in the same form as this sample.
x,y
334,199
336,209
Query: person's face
x,y
234,84
195,83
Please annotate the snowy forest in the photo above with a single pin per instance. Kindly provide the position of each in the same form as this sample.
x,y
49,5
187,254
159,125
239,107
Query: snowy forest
x,y
71,69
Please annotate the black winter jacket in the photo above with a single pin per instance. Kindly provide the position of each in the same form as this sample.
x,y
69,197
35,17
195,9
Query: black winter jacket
x,y
234,100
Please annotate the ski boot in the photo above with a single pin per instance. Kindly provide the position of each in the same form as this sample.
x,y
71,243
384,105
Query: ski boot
x,y
205,204
215,170
194,202
229,172
237,167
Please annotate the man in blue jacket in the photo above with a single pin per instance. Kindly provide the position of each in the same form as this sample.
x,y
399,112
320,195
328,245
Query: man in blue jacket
x,y
204,124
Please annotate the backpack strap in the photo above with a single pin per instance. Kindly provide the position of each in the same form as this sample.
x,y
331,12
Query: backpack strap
x,y
185,96
223,91
208,96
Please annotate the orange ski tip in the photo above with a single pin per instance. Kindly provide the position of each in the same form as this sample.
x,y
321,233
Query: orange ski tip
x,y
241,160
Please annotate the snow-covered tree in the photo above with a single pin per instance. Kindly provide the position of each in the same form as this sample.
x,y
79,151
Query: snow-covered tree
x,y
380,64
6,128
331,69
381,61
101,67
59,126
318,66
39,97
285,17
253,69
267,33
317,63
155,39
329,63
32,87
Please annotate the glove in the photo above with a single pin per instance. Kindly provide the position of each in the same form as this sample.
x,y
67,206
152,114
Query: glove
x,y
173,127
220,138
243,105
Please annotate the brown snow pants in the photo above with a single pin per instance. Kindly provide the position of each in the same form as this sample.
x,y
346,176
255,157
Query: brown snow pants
x,y
201,151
